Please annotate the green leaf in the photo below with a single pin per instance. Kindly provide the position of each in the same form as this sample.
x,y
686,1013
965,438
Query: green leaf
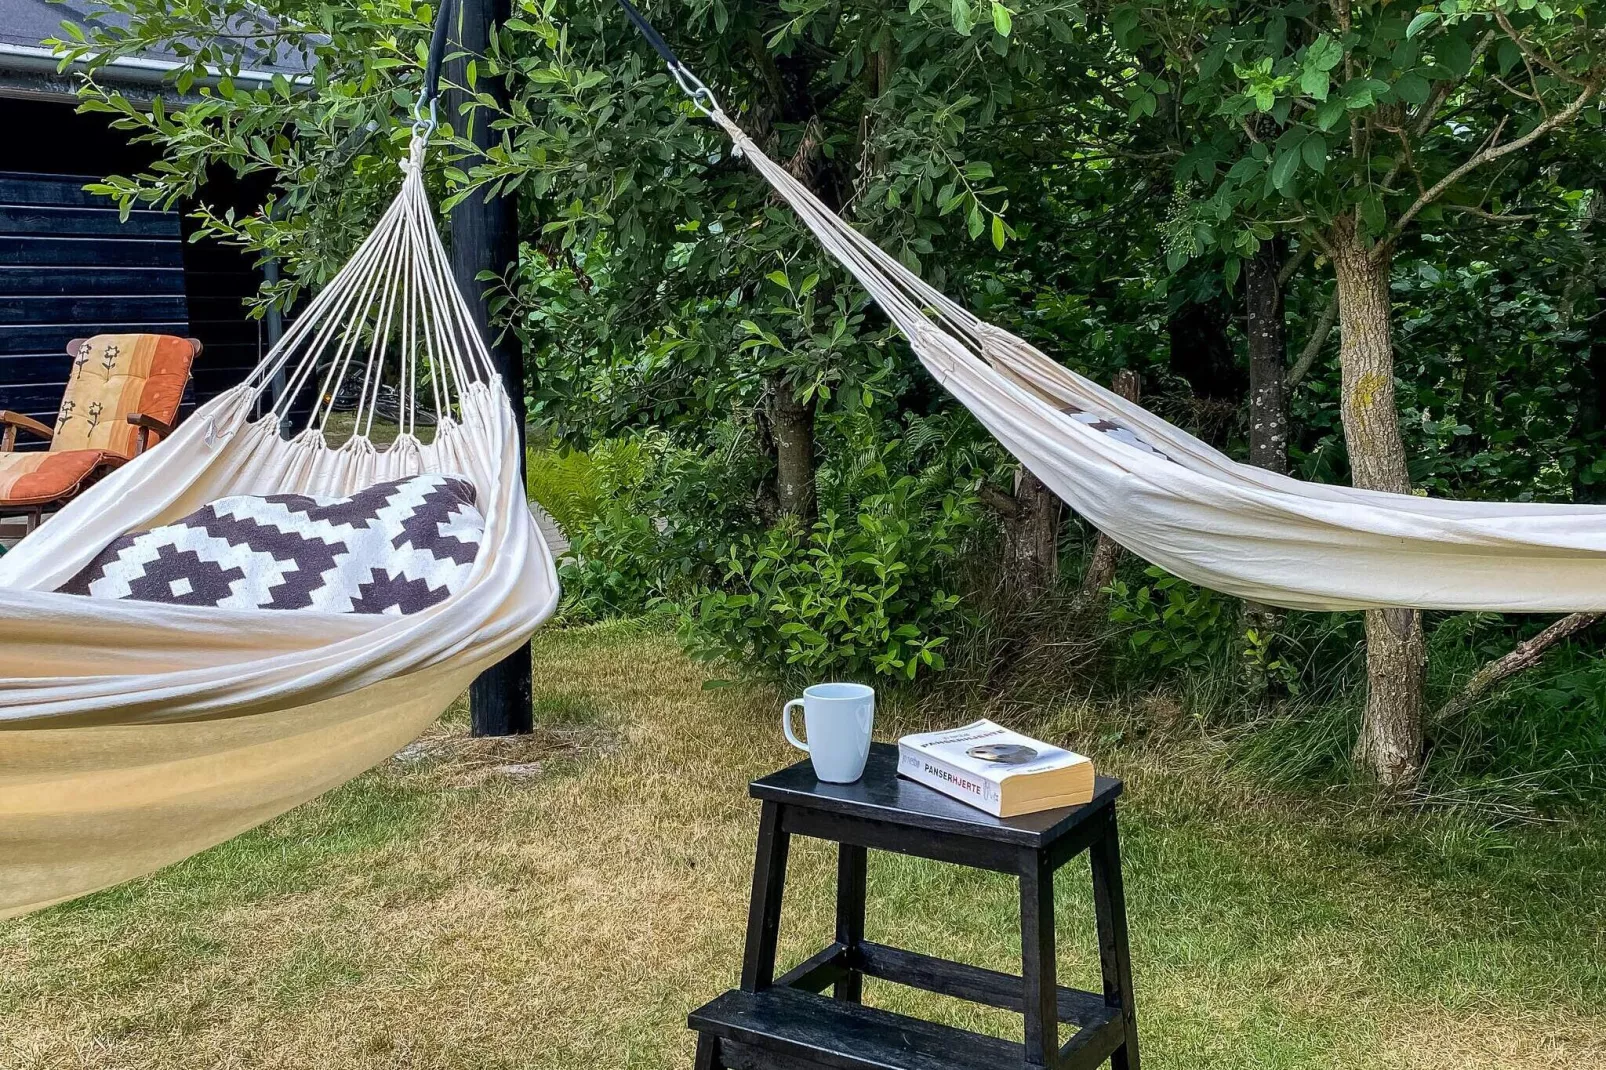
x,y
1329,113
1282,171
1315,83
959,11
1324,53
1314,151
1412,88
1372,214
1507,55
998,232
1003,21
1420,23
1454,51
1123,20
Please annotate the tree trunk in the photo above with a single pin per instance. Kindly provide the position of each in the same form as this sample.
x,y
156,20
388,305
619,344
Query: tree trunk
x,y
1268,358
1266,331
792,426
787,98
1031,538
1391,728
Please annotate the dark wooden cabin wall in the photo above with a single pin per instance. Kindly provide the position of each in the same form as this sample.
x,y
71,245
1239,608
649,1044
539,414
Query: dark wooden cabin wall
x,y
69,268
217,279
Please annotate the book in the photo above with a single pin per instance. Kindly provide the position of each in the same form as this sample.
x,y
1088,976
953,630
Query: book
x,y
996,769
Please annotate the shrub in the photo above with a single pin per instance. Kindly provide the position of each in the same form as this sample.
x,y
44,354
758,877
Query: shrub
x,y
1169,623
574,485
656,517
855,596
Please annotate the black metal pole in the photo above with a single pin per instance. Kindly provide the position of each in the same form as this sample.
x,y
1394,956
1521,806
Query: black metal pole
x,y
485,237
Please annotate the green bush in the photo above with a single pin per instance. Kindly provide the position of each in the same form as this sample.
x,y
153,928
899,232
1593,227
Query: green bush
x,y
683,530
1168,623
652,523
574,485
854,596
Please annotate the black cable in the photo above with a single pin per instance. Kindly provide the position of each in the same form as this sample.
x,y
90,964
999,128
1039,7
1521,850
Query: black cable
x,y
437,54
693,86
653,37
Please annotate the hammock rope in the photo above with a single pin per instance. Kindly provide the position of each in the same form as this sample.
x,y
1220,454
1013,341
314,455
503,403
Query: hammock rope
x,y
1181,504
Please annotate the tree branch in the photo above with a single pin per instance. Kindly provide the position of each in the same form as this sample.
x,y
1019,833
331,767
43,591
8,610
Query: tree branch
x,y
1514,91
1292,265
1313,347
1529,56
999,502
1524,656
1488,155
1491,216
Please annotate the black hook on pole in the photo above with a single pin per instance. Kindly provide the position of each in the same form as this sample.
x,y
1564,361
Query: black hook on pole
x,y
429,93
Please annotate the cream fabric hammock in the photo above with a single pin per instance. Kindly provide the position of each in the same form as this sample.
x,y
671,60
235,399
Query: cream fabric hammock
x,y
133,734
1175,501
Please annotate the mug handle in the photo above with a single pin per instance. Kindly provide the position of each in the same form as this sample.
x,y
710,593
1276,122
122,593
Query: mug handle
x,y
786,725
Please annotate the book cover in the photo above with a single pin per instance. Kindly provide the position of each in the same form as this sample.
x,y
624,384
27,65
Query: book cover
x,y
996,769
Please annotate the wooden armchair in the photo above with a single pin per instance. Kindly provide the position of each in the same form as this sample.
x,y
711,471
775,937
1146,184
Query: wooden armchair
x,y
121,399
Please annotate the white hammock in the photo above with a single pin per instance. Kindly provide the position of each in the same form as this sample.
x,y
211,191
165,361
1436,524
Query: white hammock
x,y
1175,501
133,734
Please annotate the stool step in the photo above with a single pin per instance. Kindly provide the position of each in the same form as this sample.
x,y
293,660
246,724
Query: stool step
x,y
787,1028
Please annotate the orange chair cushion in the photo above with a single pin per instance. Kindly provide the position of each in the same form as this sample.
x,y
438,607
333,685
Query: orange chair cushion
x,y
114,375
41,478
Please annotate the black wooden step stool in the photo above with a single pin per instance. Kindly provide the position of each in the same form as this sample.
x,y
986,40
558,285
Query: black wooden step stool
x,y
785,1024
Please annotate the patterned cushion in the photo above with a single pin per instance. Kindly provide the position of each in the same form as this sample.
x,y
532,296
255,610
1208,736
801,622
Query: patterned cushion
x,y
395,548
1119,432
41,478
117,374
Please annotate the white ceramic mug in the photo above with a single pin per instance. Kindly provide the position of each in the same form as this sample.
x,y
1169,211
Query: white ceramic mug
x,y
838,719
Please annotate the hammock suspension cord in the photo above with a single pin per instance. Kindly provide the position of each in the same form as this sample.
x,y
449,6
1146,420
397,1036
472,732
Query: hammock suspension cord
x,y
395,300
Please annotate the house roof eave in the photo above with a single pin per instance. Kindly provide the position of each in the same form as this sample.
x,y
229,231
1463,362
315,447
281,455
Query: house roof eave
x,y
37,71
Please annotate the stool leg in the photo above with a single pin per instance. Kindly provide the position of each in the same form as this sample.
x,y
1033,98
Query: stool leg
x,y
1039,975
764,912
707,1053
1115,957
851,872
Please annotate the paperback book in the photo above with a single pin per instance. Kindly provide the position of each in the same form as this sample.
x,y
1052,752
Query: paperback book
x,y
996,769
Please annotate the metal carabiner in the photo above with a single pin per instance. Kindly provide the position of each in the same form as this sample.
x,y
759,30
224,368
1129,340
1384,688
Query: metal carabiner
x,y
424,126
701,96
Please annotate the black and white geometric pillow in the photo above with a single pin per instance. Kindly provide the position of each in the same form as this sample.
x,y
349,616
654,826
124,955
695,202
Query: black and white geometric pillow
x,y
1121,433
394,548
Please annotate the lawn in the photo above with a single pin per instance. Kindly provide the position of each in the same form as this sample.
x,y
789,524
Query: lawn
x,y
561,901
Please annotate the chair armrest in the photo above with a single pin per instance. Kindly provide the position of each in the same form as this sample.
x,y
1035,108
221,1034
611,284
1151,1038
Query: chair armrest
x,y
148,425
10,422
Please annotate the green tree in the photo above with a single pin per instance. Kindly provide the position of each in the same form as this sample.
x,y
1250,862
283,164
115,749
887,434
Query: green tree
x,y
1363,124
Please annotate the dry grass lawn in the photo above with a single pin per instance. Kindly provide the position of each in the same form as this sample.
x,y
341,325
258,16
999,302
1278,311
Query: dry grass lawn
x,y
562,901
